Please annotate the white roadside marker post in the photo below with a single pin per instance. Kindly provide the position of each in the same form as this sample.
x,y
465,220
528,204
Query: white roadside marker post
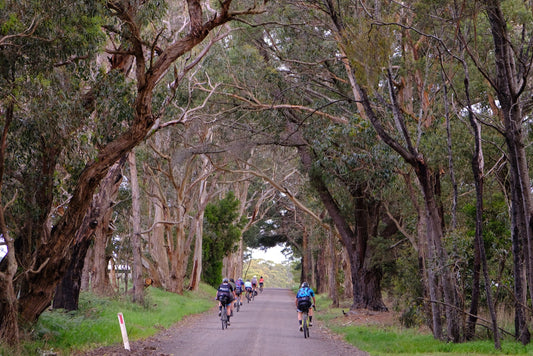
x,y
123,331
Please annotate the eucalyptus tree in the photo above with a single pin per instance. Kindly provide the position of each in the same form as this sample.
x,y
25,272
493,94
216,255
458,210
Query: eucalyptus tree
x,y
404,69
42,244
40,92
493,42
369,72
511,83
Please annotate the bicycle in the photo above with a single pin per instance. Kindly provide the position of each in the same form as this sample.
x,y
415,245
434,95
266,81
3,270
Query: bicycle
x,y
249,296
224,315
261,288
305,323
238,303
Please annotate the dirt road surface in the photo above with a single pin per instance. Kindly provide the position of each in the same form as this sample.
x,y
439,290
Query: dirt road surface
x,y
267,326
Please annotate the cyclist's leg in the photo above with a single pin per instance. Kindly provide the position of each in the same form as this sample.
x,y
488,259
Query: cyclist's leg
x,y
228,310
299,319
310,314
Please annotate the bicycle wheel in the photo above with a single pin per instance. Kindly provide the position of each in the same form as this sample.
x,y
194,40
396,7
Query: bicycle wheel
x,y
305,324
238,305
224,317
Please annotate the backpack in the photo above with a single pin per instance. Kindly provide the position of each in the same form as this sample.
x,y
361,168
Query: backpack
x,y
223,293
224,299
304,303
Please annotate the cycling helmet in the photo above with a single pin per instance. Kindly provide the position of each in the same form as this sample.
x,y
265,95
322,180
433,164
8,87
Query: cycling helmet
x,y
305,285
232,280
240,279
247,280
255,276
225,280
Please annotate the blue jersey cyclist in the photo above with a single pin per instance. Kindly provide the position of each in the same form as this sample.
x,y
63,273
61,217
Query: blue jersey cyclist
x,y
303,303
239,287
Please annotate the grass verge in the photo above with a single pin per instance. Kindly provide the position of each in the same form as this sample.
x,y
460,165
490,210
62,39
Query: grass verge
x,y
388,340
96,322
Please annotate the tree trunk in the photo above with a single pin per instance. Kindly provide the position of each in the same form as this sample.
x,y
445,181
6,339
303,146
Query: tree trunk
x,y
470,331
509,91
480,257
306,258
9,327
354,243
87,270
100,279
68,290
196,272
158,244
137,275
332,269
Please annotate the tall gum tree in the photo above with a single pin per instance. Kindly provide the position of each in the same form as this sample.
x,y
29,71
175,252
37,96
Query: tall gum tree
x,y
510,82
52,258
362,74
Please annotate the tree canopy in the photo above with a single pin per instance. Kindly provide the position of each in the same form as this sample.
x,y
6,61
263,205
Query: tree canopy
x,y
383,142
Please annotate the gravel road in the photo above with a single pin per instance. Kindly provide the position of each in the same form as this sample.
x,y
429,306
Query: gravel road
x,y
267,326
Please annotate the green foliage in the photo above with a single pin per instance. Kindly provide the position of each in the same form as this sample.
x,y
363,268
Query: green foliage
x,y
221,232
96,324
114,102
368,48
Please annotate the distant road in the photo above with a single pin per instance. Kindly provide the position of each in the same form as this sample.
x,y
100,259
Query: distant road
x,y
266,326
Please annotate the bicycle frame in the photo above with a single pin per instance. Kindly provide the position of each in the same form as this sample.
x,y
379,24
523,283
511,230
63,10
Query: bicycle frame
x,y
224,316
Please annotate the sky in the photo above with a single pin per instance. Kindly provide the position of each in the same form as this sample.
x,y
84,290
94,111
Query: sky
x,y
272,254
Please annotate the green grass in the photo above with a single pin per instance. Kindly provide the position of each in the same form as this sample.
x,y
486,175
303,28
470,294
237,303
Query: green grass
x,y
96,322
393,341
380,340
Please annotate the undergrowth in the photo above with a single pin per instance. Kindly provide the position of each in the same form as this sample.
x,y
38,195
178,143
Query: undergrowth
x,y
96,322
388,340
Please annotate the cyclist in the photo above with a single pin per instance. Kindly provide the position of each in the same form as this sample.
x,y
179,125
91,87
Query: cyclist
x,y
261,281
254,284
226,295
303,303
239,286
248,287
234,286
